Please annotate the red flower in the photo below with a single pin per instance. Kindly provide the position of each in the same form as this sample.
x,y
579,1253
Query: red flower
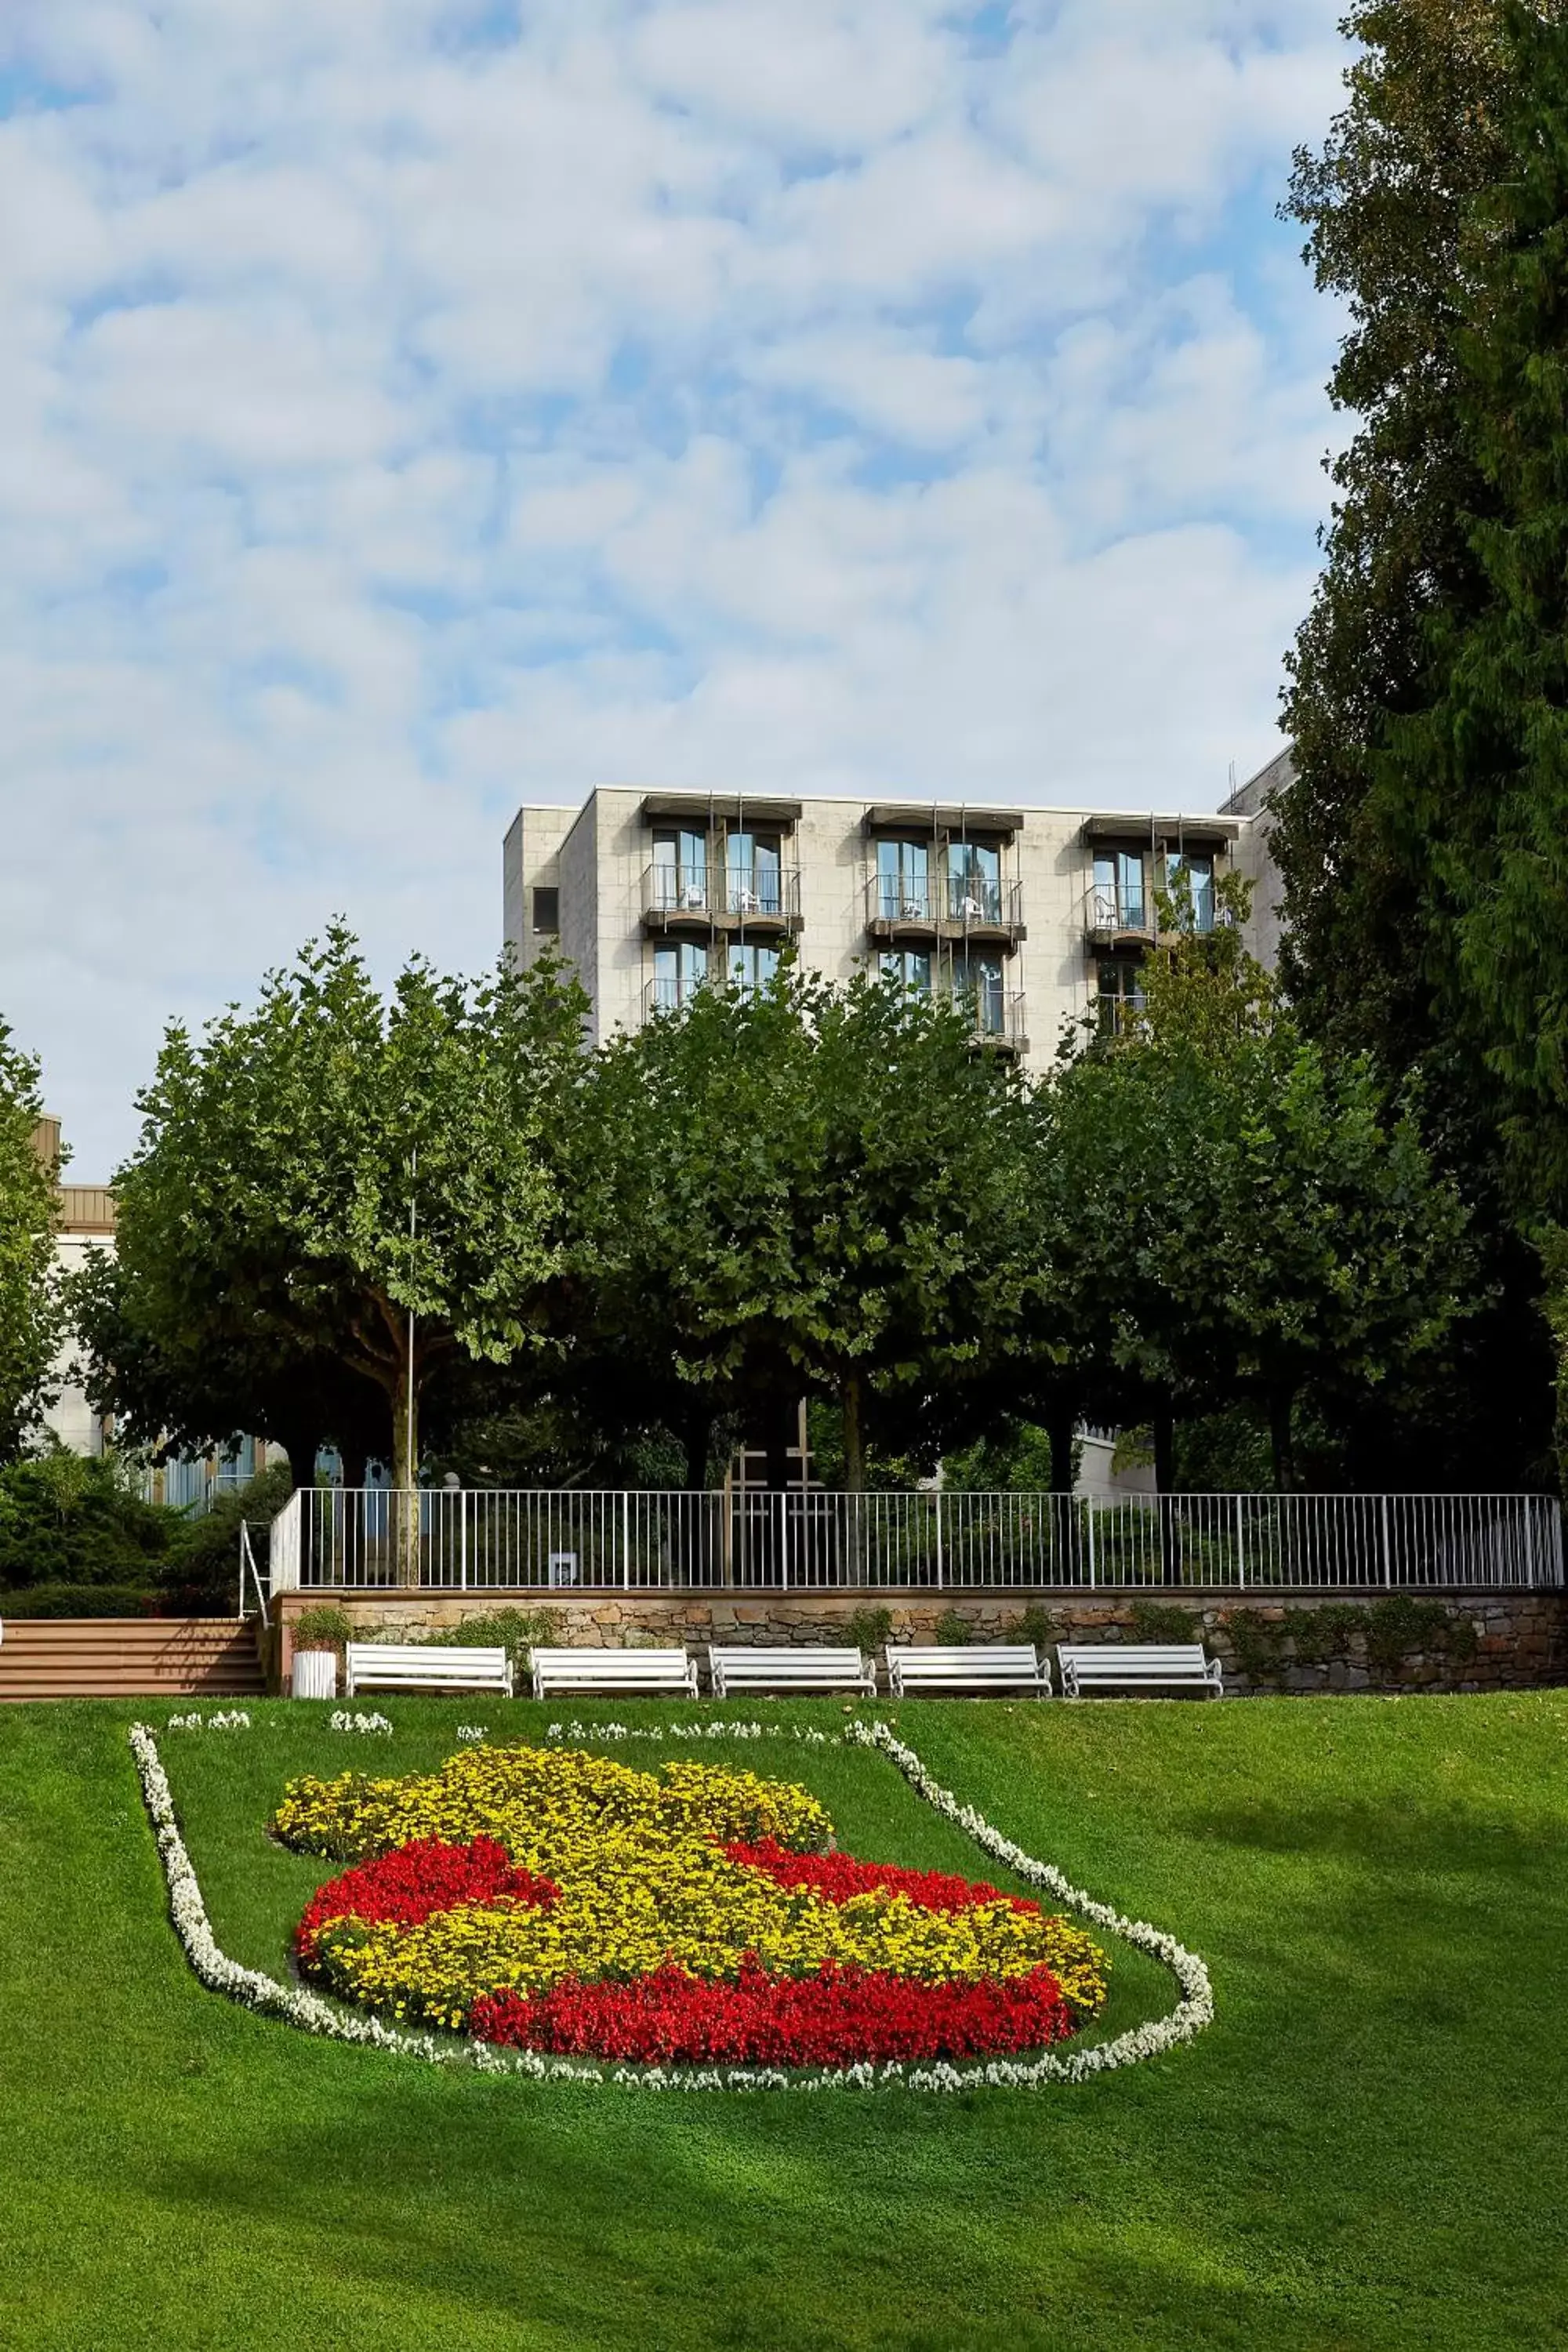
x,y
415,1880
839,1875
834,2019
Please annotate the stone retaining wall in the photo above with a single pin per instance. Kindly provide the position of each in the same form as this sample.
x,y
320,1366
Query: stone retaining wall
x,y
1486,1641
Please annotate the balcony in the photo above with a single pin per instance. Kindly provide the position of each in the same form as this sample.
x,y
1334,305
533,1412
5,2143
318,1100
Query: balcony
x,y
996,1017
1120,917
945,906
714,900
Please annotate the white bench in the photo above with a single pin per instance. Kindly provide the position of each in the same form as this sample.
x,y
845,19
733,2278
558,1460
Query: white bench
x,y
1137,1665
615,1671
419,1665
745,1667
980,1666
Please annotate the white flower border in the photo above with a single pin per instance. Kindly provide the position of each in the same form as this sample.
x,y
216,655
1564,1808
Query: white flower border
x,y
297,2006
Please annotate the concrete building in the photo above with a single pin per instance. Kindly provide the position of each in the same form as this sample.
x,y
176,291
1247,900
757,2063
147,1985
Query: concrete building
x,y
1037,917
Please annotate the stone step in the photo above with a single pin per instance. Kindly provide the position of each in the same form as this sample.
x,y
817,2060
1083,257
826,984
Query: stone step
x,y
128,1657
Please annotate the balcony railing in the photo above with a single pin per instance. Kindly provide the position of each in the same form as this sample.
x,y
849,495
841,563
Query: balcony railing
x,y
1110,911
494,1541
996,1015
947,903
728,897
671,995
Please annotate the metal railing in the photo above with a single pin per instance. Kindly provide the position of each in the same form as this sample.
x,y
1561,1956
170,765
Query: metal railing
x,y
738,893
492,1541
251,1588
962,901
1108,909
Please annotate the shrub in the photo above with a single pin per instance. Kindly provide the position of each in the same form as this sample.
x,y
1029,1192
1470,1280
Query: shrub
x,y
324,1627
515,1631
1034,1624
953,1629
1155,1621
202,1566
68,1519
80,1601
868,1628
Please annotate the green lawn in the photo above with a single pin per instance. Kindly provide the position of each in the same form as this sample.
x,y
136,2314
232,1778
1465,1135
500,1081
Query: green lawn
x,y
1364,2149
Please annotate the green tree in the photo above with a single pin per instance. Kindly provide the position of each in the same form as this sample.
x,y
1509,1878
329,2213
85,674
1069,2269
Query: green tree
x,y
1239,1214
799,1189
337,1178
30,1326
1402,229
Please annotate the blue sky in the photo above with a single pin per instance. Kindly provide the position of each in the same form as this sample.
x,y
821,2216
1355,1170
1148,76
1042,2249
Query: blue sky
x,y
416,406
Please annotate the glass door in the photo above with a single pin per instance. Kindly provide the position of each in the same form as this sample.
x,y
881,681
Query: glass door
x,y
903,881
755,874
680,871
974,882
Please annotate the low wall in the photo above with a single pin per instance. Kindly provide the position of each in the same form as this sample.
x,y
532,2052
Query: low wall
x,y
1297,1641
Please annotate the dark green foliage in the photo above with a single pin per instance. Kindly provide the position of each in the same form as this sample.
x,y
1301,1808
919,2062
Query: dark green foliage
x,y
1421,839
955,1629
203,1568
62,1600
30,1325
1034,1624
868,1628
324,1626
1154,1621
1392,1631
65,1520
515,1631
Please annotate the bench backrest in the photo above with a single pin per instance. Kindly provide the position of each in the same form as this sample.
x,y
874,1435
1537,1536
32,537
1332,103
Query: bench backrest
x,y
612,1665
1125,1659
980,1657
748,1653
437,1660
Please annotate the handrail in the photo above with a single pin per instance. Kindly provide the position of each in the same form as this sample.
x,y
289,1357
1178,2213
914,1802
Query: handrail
x,y
248,1566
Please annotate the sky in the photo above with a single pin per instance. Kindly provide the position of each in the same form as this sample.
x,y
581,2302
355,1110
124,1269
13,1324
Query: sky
x,y
413,407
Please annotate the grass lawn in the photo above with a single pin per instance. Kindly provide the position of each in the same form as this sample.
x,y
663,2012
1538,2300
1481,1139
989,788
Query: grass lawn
x,y
1363,2151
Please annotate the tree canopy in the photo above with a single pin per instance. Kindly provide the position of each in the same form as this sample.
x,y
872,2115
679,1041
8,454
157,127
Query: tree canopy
x,y
30,1327
338,1194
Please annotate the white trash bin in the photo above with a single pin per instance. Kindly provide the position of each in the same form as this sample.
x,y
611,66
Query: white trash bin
x,y
315,1674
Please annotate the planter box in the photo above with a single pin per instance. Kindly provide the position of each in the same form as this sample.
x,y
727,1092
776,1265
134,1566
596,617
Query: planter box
x,y
315,1674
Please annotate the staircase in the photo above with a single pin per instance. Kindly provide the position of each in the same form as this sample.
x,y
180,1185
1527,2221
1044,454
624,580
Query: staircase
x,y
129,1657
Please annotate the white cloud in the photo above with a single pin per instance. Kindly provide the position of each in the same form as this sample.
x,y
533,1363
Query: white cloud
x,y
403,412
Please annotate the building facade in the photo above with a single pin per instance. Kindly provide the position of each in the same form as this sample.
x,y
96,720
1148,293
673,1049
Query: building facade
x,y
1034,918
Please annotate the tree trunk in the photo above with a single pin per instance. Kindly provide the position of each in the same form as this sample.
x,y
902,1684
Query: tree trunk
x,y
697,1436
1061,1428
1281,1403
781,1416
854,1435
405,1500
355,1460
301,1446
1165,1423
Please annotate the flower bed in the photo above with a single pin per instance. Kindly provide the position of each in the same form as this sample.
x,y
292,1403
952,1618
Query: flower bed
x,y
559,1901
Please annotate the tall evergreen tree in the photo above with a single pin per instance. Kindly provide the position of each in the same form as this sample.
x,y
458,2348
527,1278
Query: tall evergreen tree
x,y
1402,226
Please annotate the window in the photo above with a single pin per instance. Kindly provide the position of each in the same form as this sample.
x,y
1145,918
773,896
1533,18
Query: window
x,y
1119,890
752,967
1121,992
903,881
913,968
974,882
1190,881
755,874
680,871
546,910
978,980
680,969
